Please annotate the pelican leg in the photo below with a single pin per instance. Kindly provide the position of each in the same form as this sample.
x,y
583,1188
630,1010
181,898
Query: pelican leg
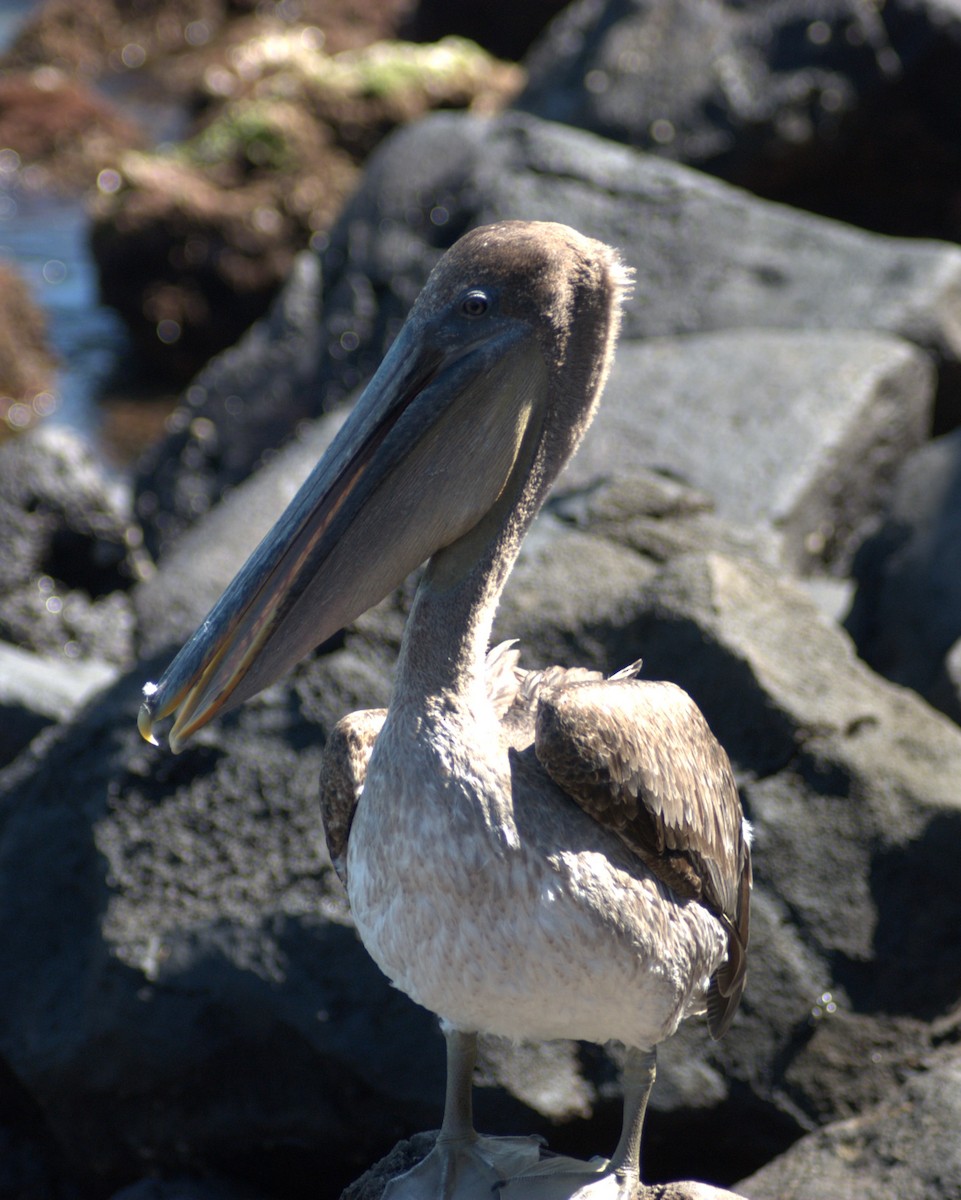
x,y
560,1178
640,1070
458,1124
463,1165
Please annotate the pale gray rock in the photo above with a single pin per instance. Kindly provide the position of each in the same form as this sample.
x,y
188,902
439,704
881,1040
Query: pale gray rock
x,y
796,431
708,257
36,691
906,1146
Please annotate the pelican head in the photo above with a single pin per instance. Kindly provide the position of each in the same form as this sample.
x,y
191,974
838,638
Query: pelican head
x,y
452,447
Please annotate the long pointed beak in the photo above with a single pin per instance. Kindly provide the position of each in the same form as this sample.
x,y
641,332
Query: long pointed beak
x,y
389,492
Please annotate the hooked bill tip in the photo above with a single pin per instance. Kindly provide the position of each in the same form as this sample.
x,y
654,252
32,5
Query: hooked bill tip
x,y
145,716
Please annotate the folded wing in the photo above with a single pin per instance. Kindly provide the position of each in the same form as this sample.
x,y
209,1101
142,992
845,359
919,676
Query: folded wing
x,y
639,757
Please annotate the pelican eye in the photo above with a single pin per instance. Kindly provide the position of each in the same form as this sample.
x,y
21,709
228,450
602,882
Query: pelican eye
x,y
474,304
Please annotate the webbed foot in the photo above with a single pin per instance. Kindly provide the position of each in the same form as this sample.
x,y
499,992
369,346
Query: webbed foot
x,y
558,1178
466,1170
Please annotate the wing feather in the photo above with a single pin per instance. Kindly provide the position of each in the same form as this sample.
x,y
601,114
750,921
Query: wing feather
x,y
342,773
639,757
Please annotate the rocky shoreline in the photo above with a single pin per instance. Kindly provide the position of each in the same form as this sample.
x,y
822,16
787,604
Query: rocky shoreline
x,y
767,511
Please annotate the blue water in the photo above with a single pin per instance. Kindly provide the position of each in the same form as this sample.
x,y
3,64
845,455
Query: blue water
x,y
44,237
12,13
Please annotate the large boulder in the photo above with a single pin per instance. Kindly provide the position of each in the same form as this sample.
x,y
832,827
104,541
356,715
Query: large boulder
x,y
797,431
708,258
906,1146
829,105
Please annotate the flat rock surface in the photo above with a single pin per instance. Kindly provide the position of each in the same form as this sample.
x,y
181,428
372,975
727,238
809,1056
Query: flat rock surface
x,y
796,431
905,1147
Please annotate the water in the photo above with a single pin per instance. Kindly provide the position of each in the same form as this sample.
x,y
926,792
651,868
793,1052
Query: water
x,y
12,13
45,238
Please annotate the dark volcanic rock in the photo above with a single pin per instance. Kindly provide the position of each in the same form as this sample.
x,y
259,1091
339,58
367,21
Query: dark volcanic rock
x,y
208,946
829,104
906,1146
906,615
247,401
187,1188
734,89
69,549
202,1003
503,28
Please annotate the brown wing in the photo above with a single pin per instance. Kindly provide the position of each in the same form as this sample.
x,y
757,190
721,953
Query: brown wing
x,y
343,770
519,719
639,758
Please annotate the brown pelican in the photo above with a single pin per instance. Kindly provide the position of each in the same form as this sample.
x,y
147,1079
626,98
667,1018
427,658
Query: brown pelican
x,y
539,855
